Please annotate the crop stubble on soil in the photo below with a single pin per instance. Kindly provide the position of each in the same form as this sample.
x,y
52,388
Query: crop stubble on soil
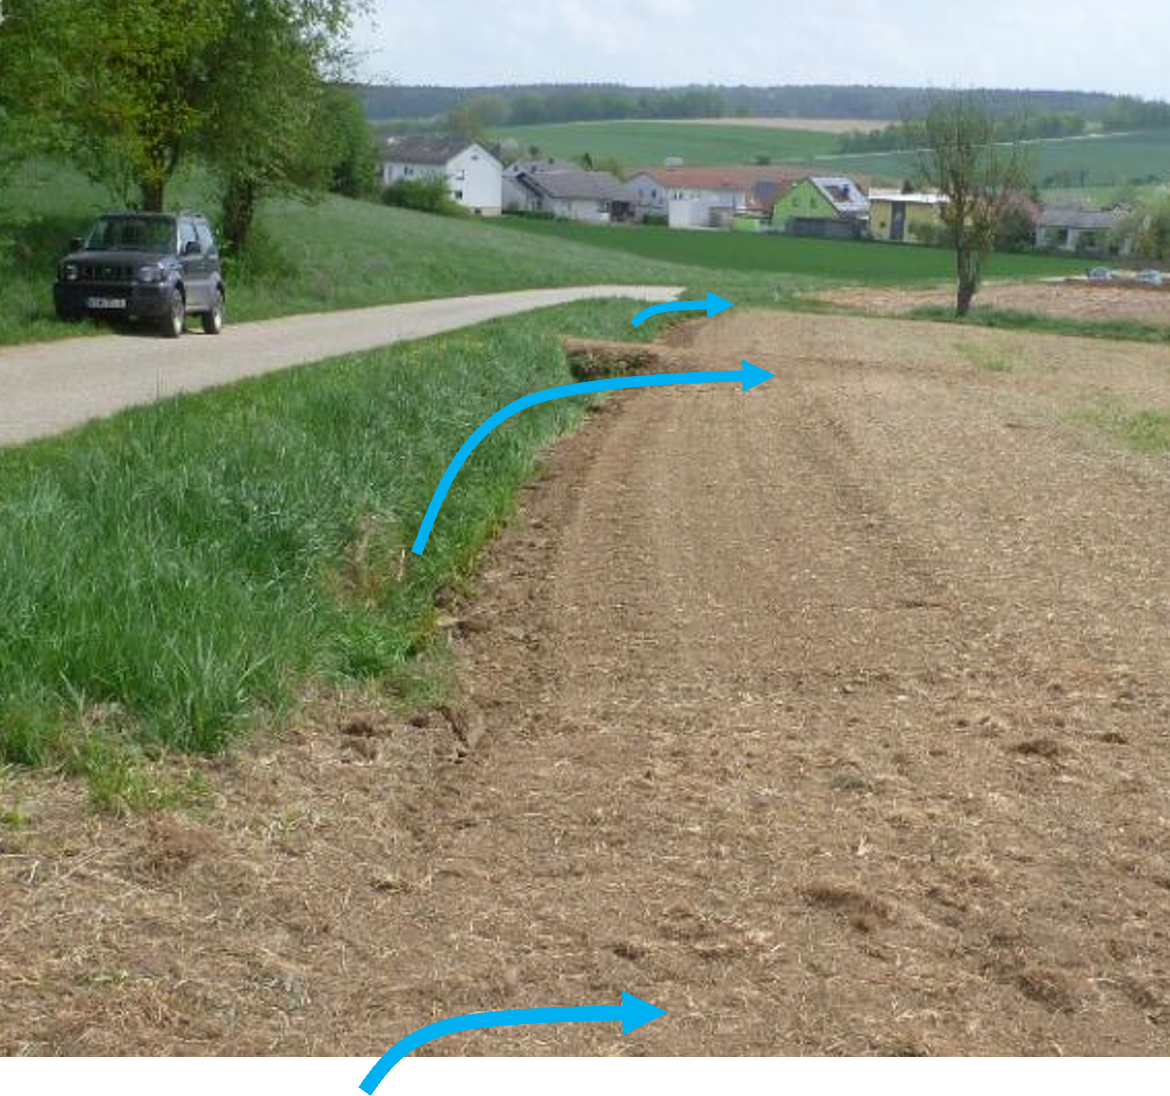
x,y
1059,300
830,718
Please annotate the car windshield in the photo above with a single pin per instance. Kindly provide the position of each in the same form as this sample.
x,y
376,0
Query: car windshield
x,y
150,234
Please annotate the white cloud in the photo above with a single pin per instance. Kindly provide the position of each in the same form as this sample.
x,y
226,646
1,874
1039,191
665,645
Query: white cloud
x,y
1076,44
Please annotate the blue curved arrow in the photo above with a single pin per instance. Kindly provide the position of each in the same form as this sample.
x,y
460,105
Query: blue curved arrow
x,y
713,306
750,376
632,1013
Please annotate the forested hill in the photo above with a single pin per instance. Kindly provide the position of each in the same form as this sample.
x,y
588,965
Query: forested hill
x,y
529,104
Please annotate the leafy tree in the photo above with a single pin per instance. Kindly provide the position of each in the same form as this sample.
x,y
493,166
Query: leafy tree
x,y
138,86
120,85
470,120
347,143
980,177
273,125
36,38
141,77
1147,230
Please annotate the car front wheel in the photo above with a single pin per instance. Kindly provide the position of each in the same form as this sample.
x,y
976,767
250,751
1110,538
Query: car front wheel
x,y
176,321
214,317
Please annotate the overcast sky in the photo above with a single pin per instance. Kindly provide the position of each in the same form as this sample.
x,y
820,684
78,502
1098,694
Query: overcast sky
x,y
1104,45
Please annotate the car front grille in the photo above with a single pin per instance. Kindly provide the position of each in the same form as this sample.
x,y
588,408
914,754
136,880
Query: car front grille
x,y
106,272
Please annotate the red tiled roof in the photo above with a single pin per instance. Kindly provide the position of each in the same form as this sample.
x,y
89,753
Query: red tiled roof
x,y
722,178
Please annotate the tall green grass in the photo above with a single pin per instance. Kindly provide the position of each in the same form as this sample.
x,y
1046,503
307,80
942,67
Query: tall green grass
x,y
168,573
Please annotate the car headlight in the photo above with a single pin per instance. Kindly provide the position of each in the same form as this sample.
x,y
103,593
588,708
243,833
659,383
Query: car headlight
x,y
71,271
150,274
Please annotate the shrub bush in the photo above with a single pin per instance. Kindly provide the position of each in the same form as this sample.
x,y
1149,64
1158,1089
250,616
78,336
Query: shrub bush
x,y
428,195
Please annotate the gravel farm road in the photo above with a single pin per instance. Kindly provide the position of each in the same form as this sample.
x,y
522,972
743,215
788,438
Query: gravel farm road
x,y
48,388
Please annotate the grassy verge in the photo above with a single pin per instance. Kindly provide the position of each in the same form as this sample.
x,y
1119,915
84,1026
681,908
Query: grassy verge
x,y
169,573
1009,320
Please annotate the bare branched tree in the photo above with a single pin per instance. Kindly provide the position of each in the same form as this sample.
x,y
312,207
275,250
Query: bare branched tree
x,y
981,176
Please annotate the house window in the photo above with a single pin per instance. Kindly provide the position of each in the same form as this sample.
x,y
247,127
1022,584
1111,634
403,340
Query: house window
x,y
459,195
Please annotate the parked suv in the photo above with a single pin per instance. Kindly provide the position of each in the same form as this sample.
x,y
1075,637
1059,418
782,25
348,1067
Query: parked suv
x,y
158,267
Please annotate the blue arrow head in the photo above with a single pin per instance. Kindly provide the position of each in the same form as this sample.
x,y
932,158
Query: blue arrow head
x,y
715,305
636,1013
754,376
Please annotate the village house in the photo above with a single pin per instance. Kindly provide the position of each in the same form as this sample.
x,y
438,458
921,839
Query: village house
x,y
825,206
474,176
905,218
1079,230
521,199
570,193
704,197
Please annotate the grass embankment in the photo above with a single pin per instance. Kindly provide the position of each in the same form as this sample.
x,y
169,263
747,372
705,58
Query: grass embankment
x,y
168,573
843,261
644,144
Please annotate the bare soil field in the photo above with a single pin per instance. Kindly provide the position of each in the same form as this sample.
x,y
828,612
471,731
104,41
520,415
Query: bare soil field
x,y
1062,300
832,718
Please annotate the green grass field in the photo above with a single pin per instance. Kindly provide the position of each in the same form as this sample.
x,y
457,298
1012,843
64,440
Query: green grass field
x,y
168,573
770,256
1095,162
648,144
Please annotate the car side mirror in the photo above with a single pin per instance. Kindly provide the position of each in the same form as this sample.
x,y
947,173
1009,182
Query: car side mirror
x,y
75,243
191,247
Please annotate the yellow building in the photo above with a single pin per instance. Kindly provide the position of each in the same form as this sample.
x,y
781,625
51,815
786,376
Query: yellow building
x,y
905,218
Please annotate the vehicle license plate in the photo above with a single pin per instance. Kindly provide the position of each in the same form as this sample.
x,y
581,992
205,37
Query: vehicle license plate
x,y
105,302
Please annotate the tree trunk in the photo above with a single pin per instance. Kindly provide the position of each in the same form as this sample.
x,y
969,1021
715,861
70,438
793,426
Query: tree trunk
x,y
153,192
968,283
239,211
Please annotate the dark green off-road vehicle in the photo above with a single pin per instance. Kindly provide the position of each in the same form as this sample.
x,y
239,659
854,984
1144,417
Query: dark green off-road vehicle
x,y
157,267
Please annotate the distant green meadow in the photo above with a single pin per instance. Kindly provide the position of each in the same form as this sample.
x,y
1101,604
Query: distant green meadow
x,y
841,261
1091,162
1109,160
649,144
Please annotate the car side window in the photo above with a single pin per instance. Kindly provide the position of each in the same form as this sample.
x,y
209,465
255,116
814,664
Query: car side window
x,y
206,241
187,234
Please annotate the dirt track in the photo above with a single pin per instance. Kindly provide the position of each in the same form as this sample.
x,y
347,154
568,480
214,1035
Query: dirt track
x,y
832,718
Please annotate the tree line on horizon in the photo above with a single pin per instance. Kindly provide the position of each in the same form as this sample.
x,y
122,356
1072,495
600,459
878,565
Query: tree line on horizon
x,y
1125,114
552,103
